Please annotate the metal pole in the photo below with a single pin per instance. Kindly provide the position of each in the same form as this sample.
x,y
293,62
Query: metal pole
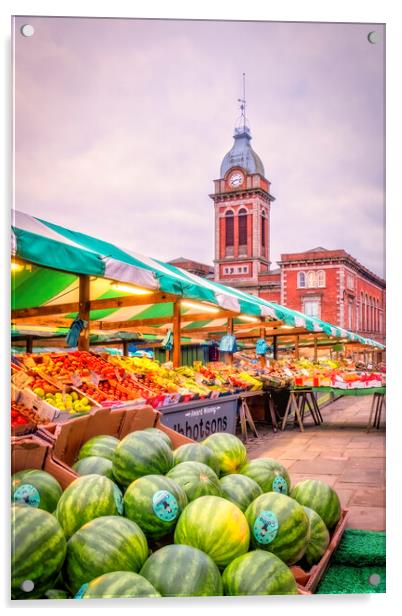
x,y
176,334
83,312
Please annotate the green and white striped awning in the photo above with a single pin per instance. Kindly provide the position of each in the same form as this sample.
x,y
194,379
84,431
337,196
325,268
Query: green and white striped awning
x,y
54,257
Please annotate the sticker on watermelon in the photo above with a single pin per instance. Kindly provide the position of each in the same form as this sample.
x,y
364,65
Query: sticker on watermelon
x,y
81,591
27,494
266,527
280,485
118,499
165,505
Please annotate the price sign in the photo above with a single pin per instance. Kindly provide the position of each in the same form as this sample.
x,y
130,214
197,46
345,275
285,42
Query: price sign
x,y
117,373
44,410
21,379
94,378
76,379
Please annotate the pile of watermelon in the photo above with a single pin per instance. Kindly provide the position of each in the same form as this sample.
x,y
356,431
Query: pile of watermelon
x,y
145,520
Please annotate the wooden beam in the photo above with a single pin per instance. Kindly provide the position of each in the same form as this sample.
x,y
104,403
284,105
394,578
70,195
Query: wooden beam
x,y
275,345
96,304
176,334
83,312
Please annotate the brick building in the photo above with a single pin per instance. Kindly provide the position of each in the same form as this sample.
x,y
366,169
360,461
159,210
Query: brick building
x,y
329,284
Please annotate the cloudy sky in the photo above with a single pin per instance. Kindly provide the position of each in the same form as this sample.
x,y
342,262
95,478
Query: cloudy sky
x,y
121,126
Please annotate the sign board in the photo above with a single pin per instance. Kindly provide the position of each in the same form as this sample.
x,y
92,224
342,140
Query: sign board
x,y
200,418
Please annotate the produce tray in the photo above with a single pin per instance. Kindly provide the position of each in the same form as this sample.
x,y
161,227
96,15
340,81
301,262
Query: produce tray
x,y
67,439
309,580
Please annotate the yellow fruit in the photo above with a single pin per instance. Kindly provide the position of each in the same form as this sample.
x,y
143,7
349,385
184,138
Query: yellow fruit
x,y
84,401
39,392
77,405
74,395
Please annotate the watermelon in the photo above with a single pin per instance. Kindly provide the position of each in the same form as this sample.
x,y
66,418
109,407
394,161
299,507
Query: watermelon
x,y
320,497
38,549
86,498
216,526
109,543
94,465
239,489
183,571
270,475
196,479
154,502
56,593
141,453
258,573
229,450
102,446
161,434
117,585
36,488
319,538
196,452
279,525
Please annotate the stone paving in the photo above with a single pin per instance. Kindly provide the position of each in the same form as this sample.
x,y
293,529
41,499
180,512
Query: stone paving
x,y
340,452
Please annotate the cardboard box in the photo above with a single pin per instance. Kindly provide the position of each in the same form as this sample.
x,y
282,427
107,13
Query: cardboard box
x,y
309,580
67,439
28,452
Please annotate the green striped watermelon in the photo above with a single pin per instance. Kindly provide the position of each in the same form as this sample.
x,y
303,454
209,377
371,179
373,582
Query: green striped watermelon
x,y
270,475
141,453
161,434
320,497
258,573
86,498
239,489
102,446
36,488
183,571
38,549
196,479
229,450
279,525
56,593
117,585
319,538
109,543
196,452
155,503
94,465
216,526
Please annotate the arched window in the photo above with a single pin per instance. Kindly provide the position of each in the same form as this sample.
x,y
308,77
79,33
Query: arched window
x,y
368,323
242,227
301,280
229,233
311,279
321,278
263,230
361,312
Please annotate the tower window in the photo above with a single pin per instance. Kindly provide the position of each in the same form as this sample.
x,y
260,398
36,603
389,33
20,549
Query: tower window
x,y
242,228
229,237
263,231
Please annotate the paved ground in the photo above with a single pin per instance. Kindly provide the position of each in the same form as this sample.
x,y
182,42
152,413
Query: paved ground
x,y
340,452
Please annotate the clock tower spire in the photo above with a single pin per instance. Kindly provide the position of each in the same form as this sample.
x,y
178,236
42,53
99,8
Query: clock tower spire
x,y
242,203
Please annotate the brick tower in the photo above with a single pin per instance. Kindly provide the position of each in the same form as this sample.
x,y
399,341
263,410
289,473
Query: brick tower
x,y
242,202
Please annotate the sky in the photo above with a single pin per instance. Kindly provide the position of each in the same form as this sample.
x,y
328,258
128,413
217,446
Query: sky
x,y
121,126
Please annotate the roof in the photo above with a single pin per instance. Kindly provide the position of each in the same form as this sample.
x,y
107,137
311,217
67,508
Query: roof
x,y
318,249
242,155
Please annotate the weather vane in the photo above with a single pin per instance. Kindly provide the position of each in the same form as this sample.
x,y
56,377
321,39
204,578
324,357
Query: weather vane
x,y
242,102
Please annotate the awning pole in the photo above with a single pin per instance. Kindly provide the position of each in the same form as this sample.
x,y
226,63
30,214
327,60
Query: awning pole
x,y
176,334
297,355
83,312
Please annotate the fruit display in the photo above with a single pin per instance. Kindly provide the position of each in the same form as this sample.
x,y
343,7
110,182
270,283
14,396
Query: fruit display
x,y
110,543
38,550
117,585
320,497
35,488
239,489
280,525
229,450
269,474
319,538
86,498
258,573
183,571
179,530
196,479
155,503
140,453
23,419
198,453
215,526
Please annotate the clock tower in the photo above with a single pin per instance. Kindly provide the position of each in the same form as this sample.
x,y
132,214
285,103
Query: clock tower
x,y
242,202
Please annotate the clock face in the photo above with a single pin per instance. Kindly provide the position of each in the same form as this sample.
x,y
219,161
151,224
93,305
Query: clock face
x,y
236,179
